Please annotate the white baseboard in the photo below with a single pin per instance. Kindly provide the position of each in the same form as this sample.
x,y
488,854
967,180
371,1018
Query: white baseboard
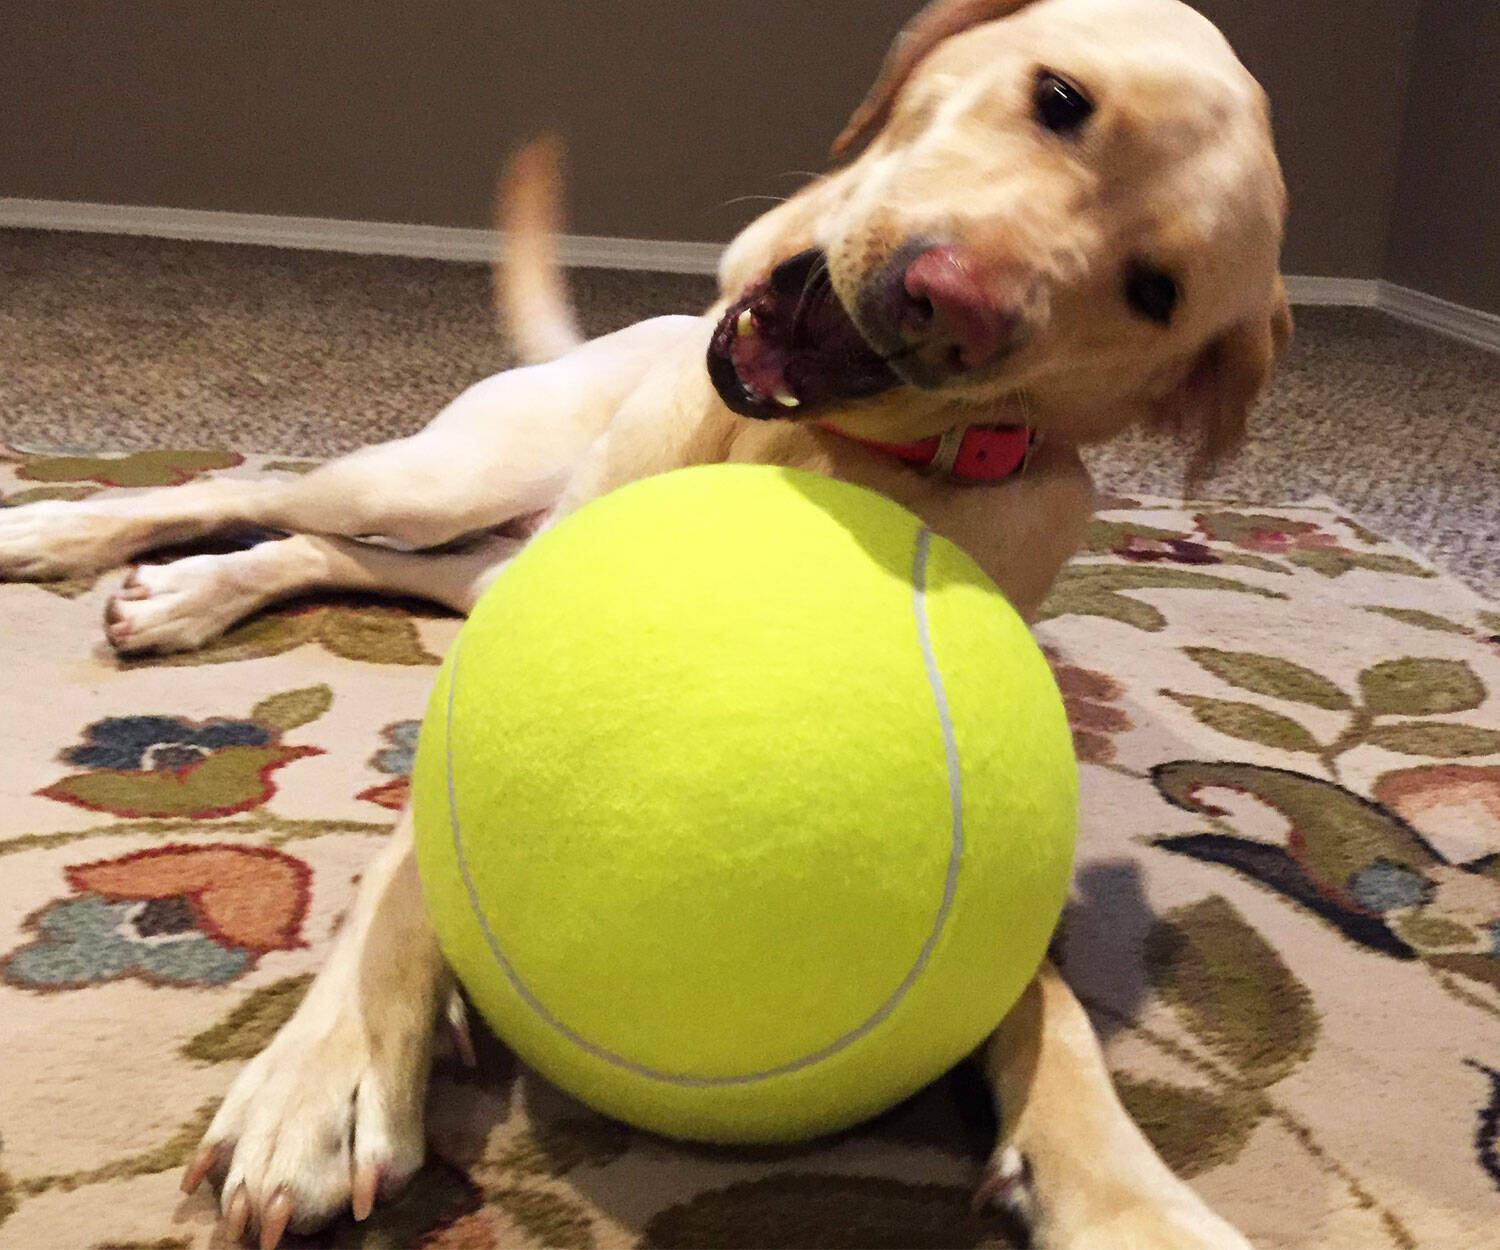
x,y
587,251
1456,320
1417,307
1345,292
330,234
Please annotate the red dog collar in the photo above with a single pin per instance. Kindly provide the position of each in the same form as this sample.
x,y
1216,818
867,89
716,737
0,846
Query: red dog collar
x,y
968,453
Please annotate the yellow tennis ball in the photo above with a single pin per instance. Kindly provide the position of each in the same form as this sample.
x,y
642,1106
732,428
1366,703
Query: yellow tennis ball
x,y
745,805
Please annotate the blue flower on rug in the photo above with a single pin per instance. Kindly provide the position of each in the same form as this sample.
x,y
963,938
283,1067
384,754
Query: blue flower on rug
x,y
170,915
90,939
399,758
396,761
160,743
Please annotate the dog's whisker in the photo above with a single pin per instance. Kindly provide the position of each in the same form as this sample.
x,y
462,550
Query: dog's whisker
x,y
814,287
745,199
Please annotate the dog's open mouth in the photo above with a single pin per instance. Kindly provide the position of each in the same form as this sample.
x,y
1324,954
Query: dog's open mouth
x,y
787,346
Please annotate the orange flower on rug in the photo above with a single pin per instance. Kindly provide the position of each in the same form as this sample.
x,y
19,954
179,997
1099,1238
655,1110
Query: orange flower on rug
x,y
397,759
1091,701
181,915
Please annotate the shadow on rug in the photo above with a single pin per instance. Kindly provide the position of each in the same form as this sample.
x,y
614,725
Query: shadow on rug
x,y
1286,919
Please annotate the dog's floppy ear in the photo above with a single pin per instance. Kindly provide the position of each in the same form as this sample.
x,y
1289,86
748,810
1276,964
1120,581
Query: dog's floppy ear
x,y
1215,396
924,32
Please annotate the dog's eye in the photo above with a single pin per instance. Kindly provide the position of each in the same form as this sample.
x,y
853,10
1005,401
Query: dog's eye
x,y
1151,293
1059,106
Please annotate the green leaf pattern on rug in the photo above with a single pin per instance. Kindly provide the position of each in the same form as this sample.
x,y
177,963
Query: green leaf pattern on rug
x,y
793,1210
293,708
550,1219
1243,559
70,587
372,635
162,767
1365,535
1405,687
1104,536
142,468
555,1147
1151,544
1419,619
1413,687
1271,675
1338,833
1248,722
1094,590
1429,933
1438,740
1335,563
46,494
174,1152
8,1202
247,1029
1231,990
1194,1130
1259,530
232,779
1304,544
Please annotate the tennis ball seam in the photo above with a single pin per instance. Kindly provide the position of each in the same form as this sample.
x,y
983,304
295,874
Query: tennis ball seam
x,y
845,1040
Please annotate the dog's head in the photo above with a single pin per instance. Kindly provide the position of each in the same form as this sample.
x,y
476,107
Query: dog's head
x,y
1066,213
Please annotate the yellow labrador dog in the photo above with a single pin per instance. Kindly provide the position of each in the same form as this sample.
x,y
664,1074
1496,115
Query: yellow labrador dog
x,y
1057,218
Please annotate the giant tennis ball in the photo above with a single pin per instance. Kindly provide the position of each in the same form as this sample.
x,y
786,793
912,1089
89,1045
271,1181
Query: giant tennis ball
x,y
745,805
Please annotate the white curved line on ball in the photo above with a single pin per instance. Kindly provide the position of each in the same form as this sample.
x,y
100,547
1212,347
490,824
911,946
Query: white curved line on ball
x,y
950,884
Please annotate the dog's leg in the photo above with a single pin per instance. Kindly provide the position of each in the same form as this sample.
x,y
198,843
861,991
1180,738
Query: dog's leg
x,y
179,606
416,490
330,1113
503,449
1070,1161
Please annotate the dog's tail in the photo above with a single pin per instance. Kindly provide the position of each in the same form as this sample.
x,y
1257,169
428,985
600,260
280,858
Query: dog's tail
x,y
531,294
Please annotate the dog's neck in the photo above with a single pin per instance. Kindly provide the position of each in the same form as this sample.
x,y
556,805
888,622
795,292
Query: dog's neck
x,y
966,453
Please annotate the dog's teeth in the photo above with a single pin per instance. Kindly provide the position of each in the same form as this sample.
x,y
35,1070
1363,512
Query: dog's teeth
x,y
745,326
786,399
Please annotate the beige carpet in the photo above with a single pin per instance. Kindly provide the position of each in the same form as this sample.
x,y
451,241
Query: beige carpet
x,y
1287,918
141,343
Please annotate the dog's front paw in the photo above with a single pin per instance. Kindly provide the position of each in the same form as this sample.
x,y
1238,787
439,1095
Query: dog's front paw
x,y
319,1122
1006,1184
1098,1211
52,539
179,606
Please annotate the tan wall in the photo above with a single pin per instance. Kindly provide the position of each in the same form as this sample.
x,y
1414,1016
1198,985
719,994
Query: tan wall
x,y
403,112
1445,229
400,110
1336,74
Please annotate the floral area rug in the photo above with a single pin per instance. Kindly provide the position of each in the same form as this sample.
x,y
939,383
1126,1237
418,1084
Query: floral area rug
x,y
1286,923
